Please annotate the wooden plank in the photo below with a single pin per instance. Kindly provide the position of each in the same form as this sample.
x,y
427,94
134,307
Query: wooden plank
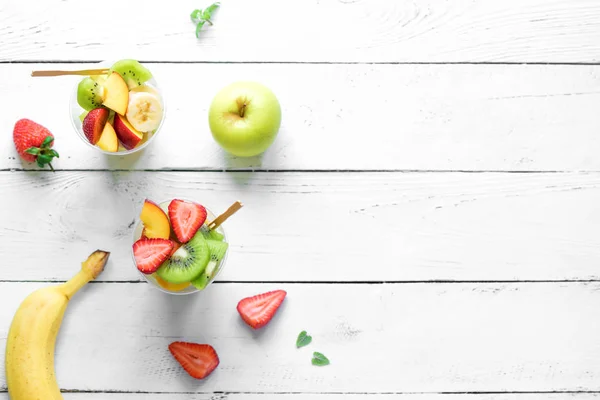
x,y
310,396
339,117
308,31
318,227
380,338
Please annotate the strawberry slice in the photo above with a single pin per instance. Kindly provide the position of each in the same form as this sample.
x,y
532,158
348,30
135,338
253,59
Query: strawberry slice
x,y
198,360
149,254
258,310
186,218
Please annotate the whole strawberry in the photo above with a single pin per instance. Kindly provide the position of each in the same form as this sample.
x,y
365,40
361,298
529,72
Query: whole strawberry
x,y
34,142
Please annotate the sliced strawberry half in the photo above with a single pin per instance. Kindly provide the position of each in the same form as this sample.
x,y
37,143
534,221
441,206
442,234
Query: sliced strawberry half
x,y
258,310
149,254
186,218
198,360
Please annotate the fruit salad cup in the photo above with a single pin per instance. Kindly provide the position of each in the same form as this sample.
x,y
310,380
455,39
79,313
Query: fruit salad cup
x,y
118,112
175,250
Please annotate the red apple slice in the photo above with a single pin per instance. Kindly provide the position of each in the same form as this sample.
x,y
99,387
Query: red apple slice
x,y
127,134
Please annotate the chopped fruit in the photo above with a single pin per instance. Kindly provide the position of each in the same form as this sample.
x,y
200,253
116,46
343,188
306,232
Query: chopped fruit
x,y
90,94
188,262
186,218
151,253
144,88
211,234
172,287
34,142
133,73
127,134
108,140
217,251
116,94
93,124
156,222
144,111
258,310
176,246
198,360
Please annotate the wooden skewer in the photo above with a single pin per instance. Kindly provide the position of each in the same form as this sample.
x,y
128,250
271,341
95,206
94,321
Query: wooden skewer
x,y
80,72
228,213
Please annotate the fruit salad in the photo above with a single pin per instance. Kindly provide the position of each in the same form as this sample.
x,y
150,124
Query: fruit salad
x,y
174,247
120,110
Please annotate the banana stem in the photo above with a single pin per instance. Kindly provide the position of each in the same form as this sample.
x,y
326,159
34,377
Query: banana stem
x,y
90,269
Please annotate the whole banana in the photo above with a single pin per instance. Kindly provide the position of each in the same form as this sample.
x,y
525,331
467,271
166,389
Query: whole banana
x,y
32,335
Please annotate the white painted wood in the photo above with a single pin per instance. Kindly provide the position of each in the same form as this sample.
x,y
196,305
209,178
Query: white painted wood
x,y
431,117
309,396
301,31
317,226
379,338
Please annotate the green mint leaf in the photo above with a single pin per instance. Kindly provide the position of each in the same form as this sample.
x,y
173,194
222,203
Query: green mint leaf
x,y
303,339
319,359
198,27
33,150
207,13
47,141
195,15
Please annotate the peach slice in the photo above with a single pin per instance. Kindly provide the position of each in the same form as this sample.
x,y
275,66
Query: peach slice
x,y
108,139
156,222
172,287
116,94
127,134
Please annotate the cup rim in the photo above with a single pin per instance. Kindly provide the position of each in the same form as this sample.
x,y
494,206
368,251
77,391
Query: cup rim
x,y
79,129
221,265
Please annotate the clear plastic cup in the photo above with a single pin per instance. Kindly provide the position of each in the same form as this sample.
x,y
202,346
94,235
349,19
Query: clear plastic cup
x,y
75,111
151,279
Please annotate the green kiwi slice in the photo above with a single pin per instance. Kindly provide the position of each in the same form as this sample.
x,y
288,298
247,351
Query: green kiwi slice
x,y
217,251
211,234
90,94
132,72
187,262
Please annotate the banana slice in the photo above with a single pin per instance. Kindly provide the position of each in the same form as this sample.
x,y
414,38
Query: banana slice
x,y
144,111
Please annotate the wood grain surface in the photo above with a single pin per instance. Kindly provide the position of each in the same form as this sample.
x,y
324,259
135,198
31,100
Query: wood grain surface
x,y
306,31
318,226
346,117
442,337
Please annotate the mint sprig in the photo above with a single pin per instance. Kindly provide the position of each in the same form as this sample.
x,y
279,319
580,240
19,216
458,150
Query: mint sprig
x,y
200,17
303,339
319,359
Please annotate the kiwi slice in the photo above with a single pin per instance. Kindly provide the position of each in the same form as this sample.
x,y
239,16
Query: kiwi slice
x,y
211,234
217,251
187,262
132,72
90,94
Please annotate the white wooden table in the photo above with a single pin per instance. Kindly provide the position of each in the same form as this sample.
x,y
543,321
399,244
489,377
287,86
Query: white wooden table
x,y
431,205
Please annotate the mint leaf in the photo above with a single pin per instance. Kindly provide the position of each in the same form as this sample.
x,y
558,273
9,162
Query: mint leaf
x,y
195,15
303,339
319,359
200,17
198,27
207,14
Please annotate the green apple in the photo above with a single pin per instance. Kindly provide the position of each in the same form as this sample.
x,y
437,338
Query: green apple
x,y
244,118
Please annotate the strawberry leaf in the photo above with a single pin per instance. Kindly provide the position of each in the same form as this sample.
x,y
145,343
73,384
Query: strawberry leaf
x,y
47,141
33,151
303,339
319,359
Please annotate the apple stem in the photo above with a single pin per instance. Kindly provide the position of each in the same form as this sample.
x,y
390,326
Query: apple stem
x,y
243,110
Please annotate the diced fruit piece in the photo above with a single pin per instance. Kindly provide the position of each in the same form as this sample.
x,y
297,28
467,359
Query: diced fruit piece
x,y
90,94
171,287
83,115
93,124
258,310
144,111
116,95
198,360
34,142
144,88
149,254
100,79
127,134
132,72
211,234
156,222
186,218
108,140
217,251
187,263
